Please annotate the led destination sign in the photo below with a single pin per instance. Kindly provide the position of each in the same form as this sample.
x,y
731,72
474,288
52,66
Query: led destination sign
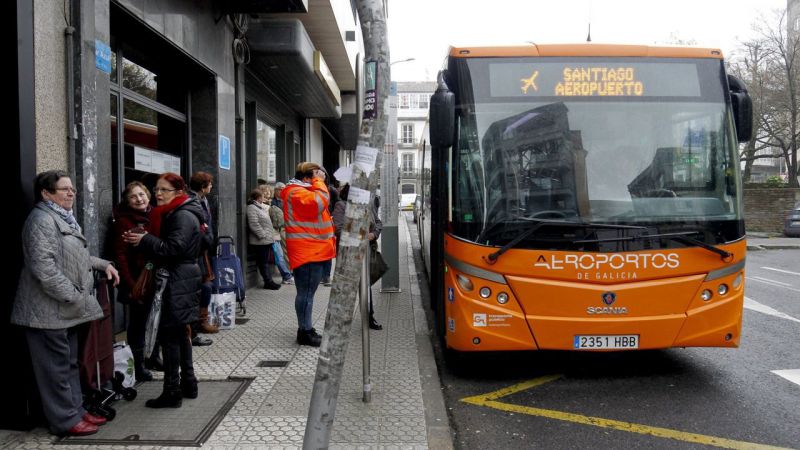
x,y
538,77
599,81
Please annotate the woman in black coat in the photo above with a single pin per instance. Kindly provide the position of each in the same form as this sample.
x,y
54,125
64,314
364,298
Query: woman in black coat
x,y
174,242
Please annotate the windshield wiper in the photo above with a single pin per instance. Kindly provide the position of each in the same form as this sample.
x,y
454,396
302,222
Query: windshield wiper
x,y
680,237
538,223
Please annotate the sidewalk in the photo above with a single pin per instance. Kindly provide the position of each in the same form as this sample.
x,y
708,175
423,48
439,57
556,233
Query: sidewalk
x,y
771,241
272,411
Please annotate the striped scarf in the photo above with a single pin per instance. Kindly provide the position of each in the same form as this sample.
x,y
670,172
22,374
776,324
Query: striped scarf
x,y
64,214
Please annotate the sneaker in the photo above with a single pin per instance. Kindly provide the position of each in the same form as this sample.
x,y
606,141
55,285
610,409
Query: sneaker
x,y
326,282
201,341
289,280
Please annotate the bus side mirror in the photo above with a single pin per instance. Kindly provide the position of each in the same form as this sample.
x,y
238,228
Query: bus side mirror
x,y
742,109
442,115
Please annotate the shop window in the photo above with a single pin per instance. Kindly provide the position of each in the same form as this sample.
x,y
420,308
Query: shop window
x,y
266,167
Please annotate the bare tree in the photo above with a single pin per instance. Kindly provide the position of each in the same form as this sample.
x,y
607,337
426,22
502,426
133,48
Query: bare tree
x,y
752,69
780,108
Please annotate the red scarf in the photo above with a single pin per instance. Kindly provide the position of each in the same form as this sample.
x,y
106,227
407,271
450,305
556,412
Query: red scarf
x,y
158,213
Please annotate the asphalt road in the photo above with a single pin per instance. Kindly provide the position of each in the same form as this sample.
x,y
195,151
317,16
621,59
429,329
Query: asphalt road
x,y
677,398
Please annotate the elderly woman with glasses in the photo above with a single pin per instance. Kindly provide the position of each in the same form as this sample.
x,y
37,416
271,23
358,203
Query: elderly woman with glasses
x,y
133,213
55,295
174,241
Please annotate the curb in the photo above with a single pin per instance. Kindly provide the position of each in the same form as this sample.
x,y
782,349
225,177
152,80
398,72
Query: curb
x,y
773,247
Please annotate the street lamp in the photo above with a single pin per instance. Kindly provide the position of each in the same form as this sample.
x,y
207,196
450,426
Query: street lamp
x,y
390,282
402,61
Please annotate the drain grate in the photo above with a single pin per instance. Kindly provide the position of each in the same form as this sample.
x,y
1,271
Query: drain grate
x,y
272,363
241,321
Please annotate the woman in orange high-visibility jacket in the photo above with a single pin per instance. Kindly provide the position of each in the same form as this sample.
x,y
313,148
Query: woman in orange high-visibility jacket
x,y
309,241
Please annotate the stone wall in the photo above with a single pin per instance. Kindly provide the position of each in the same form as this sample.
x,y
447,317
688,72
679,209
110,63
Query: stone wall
x,y
765,209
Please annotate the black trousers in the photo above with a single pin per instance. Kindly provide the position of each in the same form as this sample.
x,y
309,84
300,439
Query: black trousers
x,y
264,259
177,354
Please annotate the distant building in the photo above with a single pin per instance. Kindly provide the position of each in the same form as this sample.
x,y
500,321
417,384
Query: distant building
x,y
413,99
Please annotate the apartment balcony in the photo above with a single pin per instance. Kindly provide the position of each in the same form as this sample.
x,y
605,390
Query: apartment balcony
x,y
407,144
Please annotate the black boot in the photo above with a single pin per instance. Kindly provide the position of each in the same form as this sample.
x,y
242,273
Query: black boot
x,y
142,374
189,388
154,361
373,324
271,285
167,399
309,337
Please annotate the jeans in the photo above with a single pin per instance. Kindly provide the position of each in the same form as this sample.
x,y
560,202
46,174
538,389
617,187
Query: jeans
x,y
306,279
280,262
326,269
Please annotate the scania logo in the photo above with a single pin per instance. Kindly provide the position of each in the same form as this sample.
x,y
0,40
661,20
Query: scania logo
x,y
608,298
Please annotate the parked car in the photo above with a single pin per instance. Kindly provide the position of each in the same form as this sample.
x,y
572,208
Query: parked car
x,y
417,207
792,226
407,202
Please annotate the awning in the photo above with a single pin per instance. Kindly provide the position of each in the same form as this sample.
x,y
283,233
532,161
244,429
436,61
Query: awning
x,y
284,58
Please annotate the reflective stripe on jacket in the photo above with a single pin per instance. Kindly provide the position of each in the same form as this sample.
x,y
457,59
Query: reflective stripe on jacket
x,y
308,224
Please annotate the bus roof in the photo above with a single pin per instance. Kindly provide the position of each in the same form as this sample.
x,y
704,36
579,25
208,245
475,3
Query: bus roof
x,y
587,49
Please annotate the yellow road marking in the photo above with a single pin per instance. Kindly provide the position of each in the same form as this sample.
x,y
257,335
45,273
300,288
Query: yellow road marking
x,y
490,400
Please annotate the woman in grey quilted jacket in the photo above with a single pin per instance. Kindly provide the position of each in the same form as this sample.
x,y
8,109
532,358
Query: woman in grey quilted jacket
x,y
55,295
261,236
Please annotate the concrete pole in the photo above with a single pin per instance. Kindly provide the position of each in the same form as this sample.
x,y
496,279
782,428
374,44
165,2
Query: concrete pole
x,y
353,243
390,281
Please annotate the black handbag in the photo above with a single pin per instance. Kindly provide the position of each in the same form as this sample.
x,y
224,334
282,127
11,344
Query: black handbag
x,y
377,266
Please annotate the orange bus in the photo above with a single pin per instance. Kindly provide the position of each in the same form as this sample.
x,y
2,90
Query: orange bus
x,y
585,197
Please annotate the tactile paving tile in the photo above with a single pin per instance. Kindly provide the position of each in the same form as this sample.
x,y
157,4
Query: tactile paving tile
x,y
294,383
286,404
248,404
275,430
355,429
230,429
403,429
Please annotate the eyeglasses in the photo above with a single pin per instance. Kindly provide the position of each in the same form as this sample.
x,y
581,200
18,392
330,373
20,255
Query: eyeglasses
x,y
157,190
66,189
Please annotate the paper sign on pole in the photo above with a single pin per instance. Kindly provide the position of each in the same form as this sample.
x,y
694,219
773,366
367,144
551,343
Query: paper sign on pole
x,y
365,158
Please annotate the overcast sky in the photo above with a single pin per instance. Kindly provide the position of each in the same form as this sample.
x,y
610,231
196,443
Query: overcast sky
x,y
424,29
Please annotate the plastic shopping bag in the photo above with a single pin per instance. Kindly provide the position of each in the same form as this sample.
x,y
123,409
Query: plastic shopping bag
x,y
154,319
123,363
222,310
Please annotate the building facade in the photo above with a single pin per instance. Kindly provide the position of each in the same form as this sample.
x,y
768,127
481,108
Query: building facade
x,y
412,113
114,91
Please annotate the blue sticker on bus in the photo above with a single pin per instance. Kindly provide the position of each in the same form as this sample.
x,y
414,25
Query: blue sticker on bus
x,y
451,296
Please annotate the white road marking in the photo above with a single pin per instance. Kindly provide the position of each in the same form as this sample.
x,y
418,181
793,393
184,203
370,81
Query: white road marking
x,y
777,284
769,281
781,270
792,375
753,305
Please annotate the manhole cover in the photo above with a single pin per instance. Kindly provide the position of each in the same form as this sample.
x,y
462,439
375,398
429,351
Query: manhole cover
x,y
272,363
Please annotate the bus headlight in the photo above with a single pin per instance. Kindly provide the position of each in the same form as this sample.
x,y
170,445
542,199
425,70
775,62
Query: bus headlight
x,y
706,295
465,282
737,281
485,292
502,298
722,289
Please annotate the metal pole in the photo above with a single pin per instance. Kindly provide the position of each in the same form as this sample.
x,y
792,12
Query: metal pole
x,y
364,289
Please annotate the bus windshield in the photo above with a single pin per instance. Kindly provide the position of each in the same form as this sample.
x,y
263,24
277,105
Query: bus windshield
x,y
644,143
